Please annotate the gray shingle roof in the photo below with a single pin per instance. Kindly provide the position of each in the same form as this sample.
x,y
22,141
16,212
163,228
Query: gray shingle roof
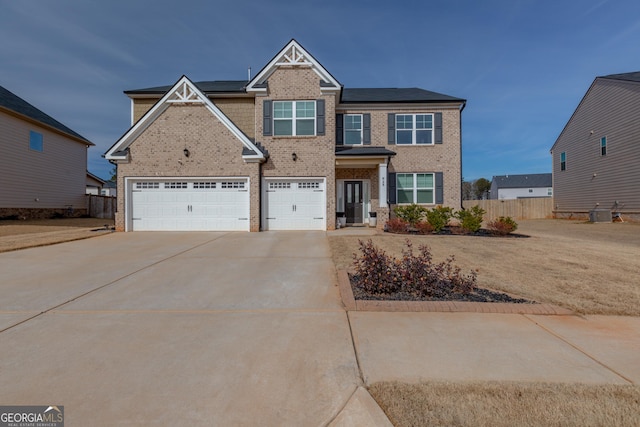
x,y
414,94
347,150
524,181
349,96
14,103
216,86
630,77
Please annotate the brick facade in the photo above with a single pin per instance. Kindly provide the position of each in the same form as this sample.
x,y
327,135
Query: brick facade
x,y
217,152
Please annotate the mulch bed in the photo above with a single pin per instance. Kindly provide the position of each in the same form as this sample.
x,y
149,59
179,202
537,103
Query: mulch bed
x,y
477,295
459,231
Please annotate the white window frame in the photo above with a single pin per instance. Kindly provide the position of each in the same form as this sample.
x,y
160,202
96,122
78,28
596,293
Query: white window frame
x,y
345,130
415,188
414,129
294,119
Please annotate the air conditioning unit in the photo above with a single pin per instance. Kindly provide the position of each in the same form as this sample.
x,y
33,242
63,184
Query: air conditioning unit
x,y
600,215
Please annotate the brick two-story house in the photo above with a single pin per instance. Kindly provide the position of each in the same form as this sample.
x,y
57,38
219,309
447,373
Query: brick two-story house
x,y
285,150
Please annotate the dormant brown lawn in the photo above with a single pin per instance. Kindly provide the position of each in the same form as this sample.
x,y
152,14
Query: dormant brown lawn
x,y
588,268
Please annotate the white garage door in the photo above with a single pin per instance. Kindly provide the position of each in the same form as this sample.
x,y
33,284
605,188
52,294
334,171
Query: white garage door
x,y
294,204
183,205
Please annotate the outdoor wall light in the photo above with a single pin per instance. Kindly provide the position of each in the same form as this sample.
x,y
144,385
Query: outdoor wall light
x,y
294,156
186,152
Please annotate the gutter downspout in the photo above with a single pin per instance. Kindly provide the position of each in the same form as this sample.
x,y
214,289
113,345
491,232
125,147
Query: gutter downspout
x,y
464,104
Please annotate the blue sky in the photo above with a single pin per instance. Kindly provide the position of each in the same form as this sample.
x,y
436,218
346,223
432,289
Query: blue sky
x,y
522,65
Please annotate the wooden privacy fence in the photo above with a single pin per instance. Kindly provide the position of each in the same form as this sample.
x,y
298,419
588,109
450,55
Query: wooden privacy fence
x,y
101,206
534,208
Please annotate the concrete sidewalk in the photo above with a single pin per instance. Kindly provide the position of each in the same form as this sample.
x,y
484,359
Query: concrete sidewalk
x,y
410,347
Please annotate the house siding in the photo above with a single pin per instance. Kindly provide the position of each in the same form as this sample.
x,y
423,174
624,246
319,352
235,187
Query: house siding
x,y
610,108
51,179
215,151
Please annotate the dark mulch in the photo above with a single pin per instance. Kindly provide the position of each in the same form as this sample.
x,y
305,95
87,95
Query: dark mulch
x,y
459,231
477,295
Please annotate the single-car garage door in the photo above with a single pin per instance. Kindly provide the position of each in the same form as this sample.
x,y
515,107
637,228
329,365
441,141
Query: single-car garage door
x,y
294,204
208,204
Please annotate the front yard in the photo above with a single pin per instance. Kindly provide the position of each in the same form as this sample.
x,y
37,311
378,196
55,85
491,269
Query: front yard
x,y
587,268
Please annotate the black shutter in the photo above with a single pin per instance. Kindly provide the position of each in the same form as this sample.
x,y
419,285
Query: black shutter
x,y
392,128
266,118
339,129
438,128
439,188
391,187
366,129
320,117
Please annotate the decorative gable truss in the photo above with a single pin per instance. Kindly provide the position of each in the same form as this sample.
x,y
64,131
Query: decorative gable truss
x,y
183,92
293,55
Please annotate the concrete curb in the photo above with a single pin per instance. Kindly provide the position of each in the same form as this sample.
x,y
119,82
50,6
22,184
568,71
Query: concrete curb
x,y
351,304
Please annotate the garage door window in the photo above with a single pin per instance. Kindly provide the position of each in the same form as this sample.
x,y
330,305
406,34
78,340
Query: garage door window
x,y
175,185
147,185
279,185
204,185
232,184
309,185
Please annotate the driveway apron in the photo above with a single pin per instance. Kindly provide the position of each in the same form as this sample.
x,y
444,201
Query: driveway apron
x,y
177,329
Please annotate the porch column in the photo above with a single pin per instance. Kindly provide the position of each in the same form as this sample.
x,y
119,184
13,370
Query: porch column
x,y
382,185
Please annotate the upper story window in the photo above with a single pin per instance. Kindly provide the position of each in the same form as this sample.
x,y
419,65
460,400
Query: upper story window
x,y
563,161
414,129
353,129
35,141
603,146
294,118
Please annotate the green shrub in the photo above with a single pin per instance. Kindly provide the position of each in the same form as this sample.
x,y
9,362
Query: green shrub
x,y
471,219
411,213
439,217
502,226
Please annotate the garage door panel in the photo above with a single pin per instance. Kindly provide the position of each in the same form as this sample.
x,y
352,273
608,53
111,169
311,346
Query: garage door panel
x,y
292,204
190,205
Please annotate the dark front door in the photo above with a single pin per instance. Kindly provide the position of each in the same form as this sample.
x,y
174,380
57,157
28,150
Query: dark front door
x,y
353,201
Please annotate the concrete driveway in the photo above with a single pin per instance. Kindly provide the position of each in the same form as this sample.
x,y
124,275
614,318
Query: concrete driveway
x,y
177,329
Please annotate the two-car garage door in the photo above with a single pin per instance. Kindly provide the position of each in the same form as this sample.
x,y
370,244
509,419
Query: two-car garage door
x,y
208,204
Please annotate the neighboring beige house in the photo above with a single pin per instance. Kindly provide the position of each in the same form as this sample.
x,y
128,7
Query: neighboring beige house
x,y
534,185
43,163
287,150
94,184
596,158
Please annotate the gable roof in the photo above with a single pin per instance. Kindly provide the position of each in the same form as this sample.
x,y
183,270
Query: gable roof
x,y
95,177
13,103
523,181
293,55
372,95
209,87
184,91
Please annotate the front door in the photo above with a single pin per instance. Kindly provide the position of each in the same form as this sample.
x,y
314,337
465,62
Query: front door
x,y
353,201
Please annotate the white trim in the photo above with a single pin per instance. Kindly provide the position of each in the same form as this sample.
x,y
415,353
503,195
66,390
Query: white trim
x,y
415,188
414,129
132,112
292,55
382,185
294,119
190,93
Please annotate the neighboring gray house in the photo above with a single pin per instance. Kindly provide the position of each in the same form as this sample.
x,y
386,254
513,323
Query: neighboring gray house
x,y
43,162
596,158
504,187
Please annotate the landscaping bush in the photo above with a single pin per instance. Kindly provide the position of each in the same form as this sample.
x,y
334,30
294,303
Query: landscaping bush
x,y
418,275
410,213
397,225
439,217
471,219
502,226
424,227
